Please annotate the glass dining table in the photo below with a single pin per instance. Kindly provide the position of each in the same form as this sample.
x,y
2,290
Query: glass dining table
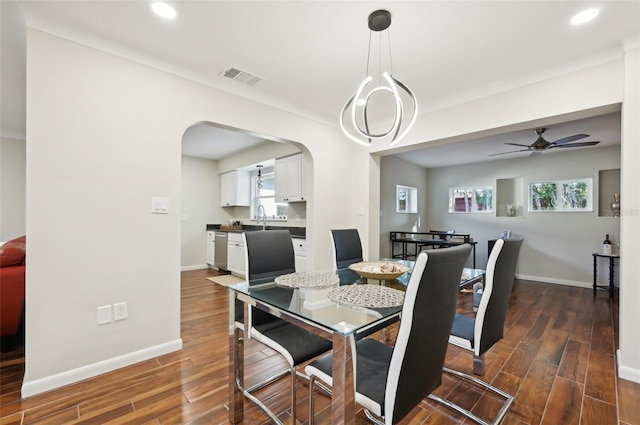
x,y
337,305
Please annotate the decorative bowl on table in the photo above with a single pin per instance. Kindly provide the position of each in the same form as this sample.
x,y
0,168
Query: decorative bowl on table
x,y
381,270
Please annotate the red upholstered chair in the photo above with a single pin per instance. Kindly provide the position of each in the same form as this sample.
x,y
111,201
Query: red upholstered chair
x,y
12,284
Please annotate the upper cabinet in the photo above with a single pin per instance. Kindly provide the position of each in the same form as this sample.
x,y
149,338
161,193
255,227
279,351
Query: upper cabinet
x,y
235,189
289,179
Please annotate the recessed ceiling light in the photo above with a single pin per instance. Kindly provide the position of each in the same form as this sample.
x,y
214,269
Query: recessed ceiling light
x,y
585,16
164,10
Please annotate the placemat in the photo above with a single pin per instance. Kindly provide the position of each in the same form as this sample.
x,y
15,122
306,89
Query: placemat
x,y
372,296
307,280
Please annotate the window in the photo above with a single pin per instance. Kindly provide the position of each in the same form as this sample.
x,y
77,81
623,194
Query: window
x,y
265,196
406,199
471,200
561,195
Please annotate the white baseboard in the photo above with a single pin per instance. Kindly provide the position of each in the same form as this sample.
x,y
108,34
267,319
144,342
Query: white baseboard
x,y
196,267
71,376
626,372
556,281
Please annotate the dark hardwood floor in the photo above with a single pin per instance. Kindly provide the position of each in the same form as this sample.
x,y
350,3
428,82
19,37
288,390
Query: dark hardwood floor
x,y
557,357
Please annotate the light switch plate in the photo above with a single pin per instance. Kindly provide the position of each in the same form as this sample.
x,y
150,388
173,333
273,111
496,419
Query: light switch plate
x,y
159,205
104,314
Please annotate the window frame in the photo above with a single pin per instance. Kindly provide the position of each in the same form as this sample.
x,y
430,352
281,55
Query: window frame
x,y
256,199
470,192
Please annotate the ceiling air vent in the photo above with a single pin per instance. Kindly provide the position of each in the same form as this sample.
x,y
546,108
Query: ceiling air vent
x,y
241,76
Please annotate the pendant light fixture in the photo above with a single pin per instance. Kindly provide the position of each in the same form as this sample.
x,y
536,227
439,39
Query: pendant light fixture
x,y
354,119
259,180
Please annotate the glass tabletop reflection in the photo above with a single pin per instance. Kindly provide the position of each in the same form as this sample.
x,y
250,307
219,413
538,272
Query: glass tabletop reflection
x,y
336,310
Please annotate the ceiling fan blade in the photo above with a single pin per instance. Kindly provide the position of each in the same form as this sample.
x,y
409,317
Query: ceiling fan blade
x,y
570,139
517,144
535,153
502,153
577,145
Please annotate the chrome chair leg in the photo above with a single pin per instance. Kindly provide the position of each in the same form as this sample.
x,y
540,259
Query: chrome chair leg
x,y
503,411
478,364
262,407
293,395
373,418
312,380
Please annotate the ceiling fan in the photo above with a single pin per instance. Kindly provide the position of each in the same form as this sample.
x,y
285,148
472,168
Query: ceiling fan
x,y
541,145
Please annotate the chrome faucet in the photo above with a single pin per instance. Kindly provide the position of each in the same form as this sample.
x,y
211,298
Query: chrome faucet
x,y
263,217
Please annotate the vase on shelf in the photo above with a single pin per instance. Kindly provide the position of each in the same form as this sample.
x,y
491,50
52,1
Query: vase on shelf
x,y
615,205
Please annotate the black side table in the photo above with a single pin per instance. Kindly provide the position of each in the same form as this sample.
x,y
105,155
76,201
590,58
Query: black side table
x,y
612,267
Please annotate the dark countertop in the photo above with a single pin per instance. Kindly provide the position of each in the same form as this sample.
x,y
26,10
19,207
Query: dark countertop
x,y
296,232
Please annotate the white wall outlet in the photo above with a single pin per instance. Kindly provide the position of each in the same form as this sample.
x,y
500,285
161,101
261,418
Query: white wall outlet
x,y
104,314
159,205
120,311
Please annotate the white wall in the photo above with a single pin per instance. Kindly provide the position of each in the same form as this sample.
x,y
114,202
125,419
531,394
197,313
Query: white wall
x,y
12,188
94,161
12,124
259,153
13,42
200,206
629,355
395,171
557,247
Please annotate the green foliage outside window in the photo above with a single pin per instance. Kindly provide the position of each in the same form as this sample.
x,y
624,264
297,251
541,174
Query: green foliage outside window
x,y
483,199
564,195
543,196
575,195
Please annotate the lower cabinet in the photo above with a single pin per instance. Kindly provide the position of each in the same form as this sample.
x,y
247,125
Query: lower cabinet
x,y
236,254
300,252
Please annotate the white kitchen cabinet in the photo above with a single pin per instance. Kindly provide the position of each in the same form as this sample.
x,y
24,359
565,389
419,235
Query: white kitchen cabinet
x,y
236,254
289,179
211,247
235,189
300,252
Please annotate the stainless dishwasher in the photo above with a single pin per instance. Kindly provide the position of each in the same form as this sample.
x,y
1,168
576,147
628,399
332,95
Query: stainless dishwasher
x,y
220,257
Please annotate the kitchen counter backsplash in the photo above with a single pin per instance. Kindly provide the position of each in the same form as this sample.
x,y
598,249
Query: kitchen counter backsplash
x,y
297,232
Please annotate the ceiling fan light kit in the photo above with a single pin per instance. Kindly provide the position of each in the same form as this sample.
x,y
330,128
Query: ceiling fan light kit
x,y
541,145
354,119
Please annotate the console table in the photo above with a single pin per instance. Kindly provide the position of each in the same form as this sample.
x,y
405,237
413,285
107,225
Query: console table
x,y
421,240
612,266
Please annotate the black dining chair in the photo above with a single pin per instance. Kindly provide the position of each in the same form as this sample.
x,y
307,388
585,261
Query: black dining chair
x,y
347,247
269,253
391,381
480,333
442,235
347,250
